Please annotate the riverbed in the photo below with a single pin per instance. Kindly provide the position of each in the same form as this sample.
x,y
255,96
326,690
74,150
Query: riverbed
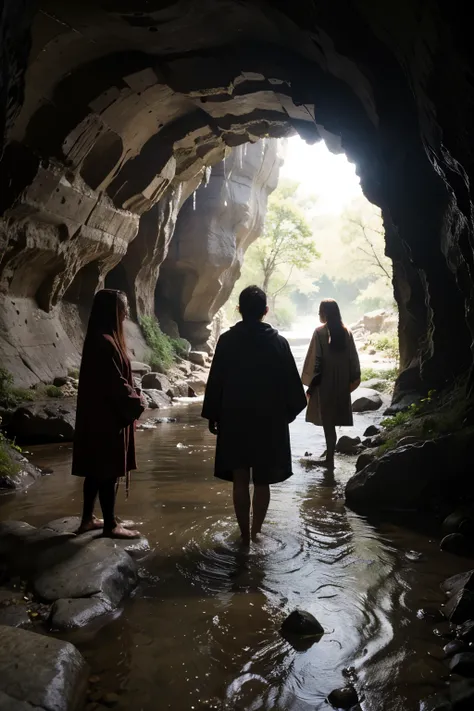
x,y
201,631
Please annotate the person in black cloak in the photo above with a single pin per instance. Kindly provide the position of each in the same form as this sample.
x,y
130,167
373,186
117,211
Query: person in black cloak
x,y
254,391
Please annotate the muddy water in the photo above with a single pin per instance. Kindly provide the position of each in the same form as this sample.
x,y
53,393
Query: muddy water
x,y
201,631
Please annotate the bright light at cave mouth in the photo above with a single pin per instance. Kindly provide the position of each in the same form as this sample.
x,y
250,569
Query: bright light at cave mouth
x,y
319,172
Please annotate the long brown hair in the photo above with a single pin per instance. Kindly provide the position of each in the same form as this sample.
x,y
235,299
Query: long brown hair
x,y
329,310
106,318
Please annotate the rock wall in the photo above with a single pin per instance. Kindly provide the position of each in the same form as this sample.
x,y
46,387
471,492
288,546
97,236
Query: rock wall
x,y
214,229
125,105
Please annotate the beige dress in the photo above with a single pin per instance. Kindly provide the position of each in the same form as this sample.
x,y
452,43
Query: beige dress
x,y
330,402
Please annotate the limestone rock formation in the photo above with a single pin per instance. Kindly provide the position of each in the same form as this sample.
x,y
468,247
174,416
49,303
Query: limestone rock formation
x,y
114,116
214,229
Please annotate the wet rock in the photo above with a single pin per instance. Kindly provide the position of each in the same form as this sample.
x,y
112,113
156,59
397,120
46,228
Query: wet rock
x,y
23,473
48,421
403,403
39,672
140,368
14,616
302,623
456,582
345,698
364,459
72,613
456,646
409,476
156,381
437,702
462,695
348,445
455,520
198,383
110,699
460,607
463,664
365,399
458,544
198,357
444,630
371,431
180,388
465,632
156,399
62,567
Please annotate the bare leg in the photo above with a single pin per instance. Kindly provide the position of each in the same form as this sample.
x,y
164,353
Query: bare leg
x,y
241,496
261,499
331,439
89,522
107,495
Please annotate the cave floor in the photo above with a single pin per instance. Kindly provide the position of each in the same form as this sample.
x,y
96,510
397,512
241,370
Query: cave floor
x,y
201,631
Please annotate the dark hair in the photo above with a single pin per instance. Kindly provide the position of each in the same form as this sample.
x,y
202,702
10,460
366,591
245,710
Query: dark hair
x,y
337,331
252,303
105,318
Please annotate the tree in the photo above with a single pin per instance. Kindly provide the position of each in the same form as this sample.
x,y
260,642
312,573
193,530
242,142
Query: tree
x,y
363,231
287,239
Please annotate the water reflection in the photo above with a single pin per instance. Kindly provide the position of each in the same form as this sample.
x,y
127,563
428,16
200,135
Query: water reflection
x,y
202,630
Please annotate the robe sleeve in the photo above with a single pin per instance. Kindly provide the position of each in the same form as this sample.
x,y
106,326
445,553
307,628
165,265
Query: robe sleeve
x,y
354,364
211,408
118,390
314,360
295,395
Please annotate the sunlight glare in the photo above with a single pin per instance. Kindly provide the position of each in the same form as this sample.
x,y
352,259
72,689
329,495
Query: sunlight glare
x,y
331,177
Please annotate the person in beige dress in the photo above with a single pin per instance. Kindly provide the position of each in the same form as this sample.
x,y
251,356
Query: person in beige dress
x,y
331,371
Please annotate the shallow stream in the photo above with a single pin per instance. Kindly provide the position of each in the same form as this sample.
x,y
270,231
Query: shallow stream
x,y
201,631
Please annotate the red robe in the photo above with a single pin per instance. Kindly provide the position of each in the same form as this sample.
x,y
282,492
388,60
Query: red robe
x,y
107,407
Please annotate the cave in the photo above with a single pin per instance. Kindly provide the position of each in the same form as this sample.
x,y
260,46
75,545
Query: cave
x,y
110,145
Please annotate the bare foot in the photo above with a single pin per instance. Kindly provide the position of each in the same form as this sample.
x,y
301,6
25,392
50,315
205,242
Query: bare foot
x,y
95,525
255,535
122,533
245,541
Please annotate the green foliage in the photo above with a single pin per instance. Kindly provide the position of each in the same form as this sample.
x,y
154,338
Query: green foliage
x,y
8,467
74,373
386,446
385,342
11,396
181,346
163,349
400,419
53,391
370,373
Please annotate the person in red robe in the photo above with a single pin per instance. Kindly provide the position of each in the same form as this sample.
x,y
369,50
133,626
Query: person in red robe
x,y
107,406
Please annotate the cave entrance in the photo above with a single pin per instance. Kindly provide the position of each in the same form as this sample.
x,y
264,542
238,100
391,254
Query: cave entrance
x,y
321,238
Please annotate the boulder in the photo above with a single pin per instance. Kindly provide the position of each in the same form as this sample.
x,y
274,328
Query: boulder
x,y
460,607
456,646
157,399
155,381
44,421
198,357
461,694
372,430
140,368
302,623
373,321
462,664
365,459
465,632
39,672
455,520
345,698
180,388
456,582
408,477
458,544
85,575
365,399
198,384
403,403
348,445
